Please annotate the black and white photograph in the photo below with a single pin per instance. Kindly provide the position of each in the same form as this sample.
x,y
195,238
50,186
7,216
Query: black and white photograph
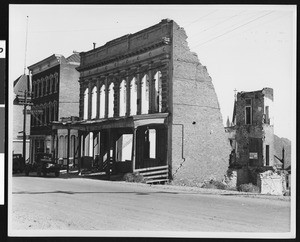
x,y
152,120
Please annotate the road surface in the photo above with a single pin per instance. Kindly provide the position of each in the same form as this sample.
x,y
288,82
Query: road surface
x,y
40,203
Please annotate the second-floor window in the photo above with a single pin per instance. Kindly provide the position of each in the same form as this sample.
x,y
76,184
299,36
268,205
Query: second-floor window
x,y
248,111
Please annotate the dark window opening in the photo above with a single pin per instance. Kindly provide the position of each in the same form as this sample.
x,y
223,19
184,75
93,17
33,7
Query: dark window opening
x,y
248,115
267,155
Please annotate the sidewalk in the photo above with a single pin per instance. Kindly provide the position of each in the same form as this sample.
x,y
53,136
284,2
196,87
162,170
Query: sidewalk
x,y
73,173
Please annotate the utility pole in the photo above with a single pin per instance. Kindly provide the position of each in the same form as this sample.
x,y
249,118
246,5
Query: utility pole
x,y
24,126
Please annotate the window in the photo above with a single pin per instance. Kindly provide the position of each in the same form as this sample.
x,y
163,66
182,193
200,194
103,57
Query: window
x,y
267,116
94,102
50,112
157,92
46,85
248,111
55,82
145,94
150,144
133,96
111,100
102,102
50,84
85,103
267,155
123,100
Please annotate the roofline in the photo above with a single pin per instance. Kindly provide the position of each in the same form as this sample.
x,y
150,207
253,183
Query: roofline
x,y
112,42
54,56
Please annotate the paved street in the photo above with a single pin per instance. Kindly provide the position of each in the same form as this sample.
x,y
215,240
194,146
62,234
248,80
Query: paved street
x,y
89,204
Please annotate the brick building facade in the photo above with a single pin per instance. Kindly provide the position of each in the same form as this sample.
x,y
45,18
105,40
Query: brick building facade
x,y
146,101
55,93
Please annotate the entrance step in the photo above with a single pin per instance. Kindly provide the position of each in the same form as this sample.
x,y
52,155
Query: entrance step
x,y
156,174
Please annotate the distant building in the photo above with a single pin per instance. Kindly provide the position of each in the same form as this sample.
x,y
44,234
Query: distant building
x,y
146,102
55,95
21,84
251,134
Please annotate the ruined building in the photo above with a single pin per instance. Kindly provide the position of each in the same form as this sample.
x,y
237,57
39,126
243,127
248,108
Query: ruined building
x,y
252,133
146,102
55,92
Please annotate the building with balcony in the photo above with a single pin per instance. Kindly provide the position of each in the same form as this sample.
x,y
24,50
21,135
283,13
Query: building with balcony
x,y
146,102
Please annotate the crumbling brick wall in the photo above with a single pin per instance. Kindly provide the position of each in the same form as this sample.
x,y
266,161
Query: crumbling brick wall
x,y
197,116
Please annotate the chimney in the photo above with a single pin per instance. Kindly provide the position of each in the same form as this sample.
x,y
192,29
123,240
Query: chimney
x,y
94,45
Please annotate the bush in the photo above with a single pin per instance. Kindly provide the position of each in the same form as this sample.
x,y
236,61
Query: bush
x,y
213,184
134,177
248,188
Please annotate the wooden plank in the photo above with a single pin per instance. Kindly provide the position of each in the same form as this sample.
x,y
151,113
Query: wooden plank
x,y
151,168
158,176
152,181
154,172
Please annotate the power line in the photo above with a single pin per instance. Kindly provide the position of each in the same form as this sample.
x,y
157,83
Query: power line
x,y
200,18
218,23
229,31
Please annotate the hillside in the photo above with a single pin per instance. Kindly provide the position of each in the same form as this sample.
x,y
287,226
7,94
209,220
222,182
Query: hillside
x,y
279,143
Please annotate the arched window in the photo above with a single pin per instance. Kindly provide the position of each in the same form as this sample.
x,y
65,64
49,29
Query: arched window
x,y
46,85
94,102
111,100
123,99
145,94
102,101
46,114
55,111
50,112
133,96
85,103
55,82
42,119
42,87
157,92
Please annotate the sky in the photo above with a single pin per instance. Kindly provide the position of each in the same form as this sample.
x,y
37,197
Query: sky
x,y
244,47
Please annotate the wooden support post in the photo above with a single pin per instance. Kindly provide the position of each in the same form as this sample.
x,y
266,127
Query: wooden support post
x,y
68,151
79,151
134,141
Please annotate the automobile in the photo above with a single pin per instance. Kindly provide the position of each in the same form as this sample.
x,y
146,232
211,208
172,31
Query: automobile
x,y
43,164
18,163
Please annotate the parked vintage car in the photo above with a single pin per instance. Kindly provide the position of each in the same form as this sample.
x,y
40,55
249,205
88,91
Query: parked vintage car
x,y
44,164
18,163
